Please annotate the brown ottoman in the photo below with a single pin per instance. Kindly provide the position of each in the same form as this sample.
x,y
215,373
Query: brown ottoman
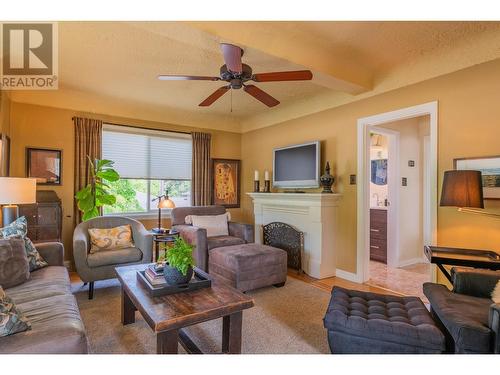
x,y
248,266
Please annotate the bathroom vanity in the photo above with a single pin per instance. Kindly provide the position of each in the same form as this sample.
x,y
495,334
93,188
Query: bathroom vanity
x,y
378,234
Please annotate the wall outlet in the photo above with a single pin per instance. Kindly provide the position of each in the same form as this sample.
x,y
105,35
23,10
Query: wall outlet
x,y
352,179
404,181
411,163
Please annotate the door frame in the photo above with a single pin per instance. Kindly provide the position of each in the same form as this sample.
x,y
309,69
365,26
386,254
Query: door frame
x,y
364,126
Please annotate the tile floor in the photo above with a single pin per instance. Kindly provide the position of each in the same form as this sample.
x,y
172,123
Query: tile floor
x,y
406,280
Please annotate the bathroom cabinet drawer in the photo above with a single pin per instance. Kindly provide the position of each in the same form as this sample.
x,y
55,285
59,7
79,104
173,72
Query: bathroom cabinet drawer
x,y
378,235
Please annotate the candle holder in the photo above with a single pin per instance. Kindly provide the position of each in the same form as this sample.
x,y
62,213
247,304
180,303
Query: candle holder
x,y
256,186
267,186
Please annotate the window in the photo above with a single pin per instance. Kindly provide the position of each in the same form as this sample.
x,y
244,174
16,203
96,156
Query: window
x,y
149,162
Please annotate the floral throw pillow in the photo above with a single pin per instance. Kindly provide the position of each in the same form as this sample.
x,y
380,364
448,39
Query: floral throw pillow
x,y
110,238
19,227
12,320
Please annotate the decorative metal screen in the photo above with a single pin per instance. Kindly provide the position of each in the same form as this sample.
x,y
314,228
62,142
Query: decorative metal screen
x,y
286,237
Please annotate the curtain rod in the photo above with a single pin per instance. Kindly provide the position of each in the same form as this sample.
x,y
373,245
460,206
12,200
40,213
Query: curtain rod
x,y
140,127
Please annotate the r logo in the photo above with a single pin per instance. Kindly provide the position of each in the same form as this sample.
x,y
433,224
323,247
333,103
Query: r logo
x,y
27,49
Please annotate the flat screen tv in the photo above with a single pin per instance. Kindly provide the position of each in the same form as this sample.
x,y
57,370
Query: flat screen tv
x,y
297,166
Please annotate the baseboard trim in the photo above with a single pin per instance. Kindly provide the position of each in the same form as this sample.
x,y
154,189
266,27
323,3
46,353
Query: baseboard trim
x,y
409,262
349,276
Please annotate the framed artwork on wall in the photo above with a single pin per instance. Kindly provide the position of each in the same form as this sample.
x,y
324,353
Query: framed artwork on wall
x,y
45,165
4,155
226,182
490,171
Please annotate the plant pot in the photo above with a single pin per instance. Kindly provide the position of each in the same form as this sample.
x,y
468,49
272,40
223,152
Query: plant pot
x,y
174,277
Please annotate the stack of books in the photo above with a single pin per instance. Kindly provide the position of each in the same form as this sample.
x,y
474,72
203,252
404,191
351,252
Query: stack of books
x,y
154,274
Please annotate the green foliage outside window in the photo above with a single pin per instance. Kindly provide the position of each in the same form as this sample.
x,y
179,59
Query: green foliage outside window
x,y
132,194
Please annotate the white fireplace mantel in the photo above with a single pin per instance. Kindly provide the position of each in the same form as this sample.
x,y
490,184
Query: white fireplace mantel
x,y
314,214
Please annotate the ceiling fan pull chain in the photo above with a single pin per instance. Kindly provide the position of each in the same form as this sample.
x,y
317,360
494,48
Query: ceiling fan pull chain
x,y
231,101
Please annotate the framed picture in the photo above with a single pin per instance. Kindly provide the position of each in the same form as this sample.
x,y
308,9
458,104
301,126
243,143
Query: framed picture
x,y
4,155
226,182
490,171
45,165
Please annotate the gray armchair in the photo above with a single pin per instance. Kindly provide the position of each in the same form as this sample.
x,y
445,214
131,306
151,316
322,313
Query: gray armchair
x,y
238,233
101,265
468,316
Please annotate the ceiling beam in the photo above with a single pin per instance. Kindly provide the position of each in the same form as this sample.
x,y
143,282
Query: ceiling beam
x,y
282,40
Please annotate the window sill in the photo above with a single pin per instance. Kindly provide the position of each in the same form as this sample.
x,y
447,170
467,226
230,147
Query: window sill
x,y
165,214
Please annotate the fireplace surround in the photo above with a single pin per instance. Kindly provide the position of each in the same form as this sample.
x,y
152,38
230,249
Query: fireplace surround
x,y
314,214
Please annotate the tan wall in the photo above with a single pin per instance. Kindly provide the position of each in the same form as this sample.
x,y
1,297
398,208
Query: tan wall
x,y
4,112
39,126
469,125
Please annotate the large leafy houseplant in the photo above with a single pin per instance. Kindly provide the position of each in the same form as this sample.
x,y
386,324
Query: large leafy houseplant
x,y
95,194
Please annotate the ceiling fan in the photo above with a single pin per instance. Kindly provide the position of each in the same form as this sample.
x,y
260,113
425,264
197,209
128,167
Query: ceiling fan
x,y
237,74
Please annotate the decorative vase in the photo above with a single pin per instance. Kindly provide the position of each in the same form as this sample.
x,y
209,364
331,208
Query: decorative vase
x,y
327,180
174,277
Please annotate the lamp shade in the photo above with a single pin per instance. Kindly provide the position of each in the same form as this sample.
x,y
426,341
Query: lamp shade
x,y
166,203
14,190
462,189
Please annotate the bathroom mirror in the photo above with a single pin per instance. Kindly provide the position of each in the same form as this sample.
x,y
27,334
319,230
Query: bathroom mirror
x,y
379,171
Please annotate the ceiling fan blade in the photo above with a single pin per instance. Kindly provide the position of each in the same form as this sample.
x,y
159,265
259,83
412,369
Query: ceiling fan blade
x,y
261,95
214,96
298,75
232,57
168,77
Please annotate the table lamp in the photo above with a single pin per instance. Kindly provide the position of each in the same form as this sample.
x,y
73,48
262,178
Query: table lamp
x,y
13,191
163,202
463,189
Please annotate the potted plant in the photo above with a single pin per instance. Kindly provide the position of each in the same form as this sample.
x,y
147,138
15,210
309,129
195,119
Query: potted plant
x,y
178,268
96,194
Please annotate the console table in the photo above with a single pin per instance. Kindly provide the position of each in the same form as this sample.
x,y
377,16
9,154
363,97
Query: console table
x,y
449,256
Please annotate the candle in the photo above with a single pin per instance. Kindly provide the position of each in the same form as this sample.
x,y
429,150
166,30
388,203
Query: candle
x,y
256,176
266,175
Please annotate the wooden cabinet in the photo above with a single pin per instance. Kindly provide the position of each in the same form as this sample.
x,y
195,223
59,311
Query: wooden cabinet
x,y
44,217
378,235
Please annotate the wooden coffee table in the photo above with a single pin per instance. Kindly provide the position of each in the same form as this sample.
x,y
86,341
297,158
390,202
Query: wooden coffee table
x,y
167,315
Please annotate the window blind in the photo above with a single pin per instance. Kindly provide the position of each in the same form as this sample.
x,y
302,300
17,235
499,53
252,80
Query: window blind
x,y
147,154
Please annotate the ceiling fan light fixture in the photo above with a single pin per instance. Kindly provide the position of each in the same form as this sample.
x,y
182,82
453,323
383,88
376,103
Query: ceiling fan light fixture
x,y
235,73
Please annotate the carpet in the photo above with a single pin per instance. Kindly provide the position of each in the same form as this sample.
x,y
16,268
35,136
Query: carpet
x,y
285,320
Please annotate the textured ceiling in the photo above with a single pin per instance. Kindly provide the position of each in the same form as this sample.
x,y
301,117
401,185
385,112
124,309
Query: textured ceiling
x,y
112,64
123,60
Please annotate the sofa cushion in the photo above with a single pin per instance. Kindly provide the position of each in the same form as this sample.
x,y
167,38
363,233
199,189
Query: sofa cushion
x,y
223,241
465,317
178,214
43,283
247,257
14,266
110,238
215,225
12,319
19,227
119,256
382,318
56,328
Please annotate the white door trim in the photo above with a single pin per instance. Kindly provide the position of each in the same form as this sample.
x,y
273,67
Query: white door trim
x,y
363,163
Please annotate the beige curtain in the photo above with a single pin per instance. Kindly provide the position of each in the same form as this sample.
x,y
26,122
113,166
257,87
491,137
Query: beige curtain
x,y
88,138
201,169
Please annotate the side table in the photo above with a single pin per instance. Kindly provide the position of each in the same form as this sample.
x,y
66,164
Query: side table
x,y
162,238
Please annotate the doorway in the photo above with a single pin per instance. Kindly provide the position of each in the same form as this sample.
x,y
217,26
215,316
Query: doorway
x,y
397,190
